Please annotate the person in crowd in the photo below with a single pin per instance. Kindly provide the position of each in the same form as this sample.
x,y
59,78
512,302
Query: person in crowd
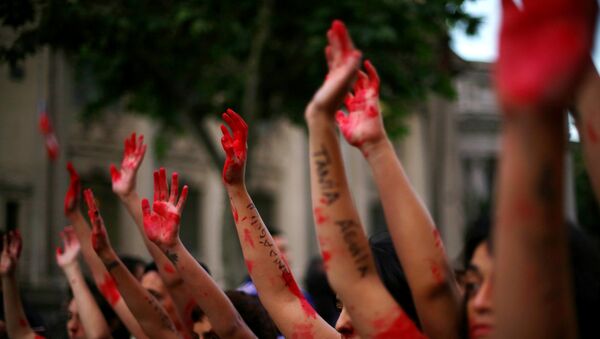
x,y
85,319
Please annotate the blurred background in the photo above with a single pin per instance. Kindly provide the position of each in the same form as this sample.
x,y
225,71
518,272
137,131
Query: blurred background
x,y
167,69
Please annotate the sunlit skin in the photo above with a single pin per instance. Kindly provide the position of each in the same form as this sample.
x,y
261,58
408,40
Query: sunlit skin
x,y
74,326
479,287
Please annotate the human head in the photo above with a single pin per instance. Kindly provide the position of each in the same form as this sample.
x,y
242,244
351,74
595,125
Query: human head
x,y
584,259
281,242
134,265
391,274
152,282
74,327
253,313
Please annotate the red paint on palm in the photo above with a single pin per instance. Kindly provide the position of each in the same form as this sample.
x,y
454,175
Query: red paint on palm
x,y
249,265
44,123
320,218
248,238
234,145
109,290
401,327
123,179
72,196
290,282
543,49
52,148
363,122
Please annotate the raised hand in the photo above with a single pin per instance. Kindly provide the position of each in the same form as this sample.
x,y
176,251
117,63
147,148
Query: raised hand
x,y
123,180
49,137
72,196
343,61
11,251
100,241
363,124
67,255
161,223
235,147
543,48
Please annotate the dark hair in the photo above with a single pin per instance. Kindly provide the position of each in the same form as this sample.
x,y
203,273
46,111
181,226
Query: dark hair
x,y
391,273
253,313
116,326
132,262
322,294
584,259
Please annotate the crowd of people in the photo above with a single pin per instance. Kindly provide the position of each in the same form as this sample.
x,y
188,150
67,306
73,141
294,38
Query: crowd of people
x,y
526,272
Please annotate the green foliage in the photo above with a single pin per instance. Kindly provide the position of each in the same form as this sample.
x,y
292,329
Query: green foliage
x,y
172,58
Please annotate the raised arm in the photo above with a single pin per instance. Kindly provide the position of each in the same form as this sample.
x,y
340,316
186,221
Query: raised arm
x,y
543,49
123,185
277,288
94,324
150,315
161,224
416,239
17,325
101,277
346,254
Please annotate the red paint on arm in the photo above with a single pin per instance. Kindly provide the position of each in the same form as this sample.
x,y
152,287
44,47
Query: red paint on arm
x,y
248,237
109,290
320,218
235,213
249,265
591,133
303,331
438,240
169,268
290,282
326,257
401,327
22,322
436,272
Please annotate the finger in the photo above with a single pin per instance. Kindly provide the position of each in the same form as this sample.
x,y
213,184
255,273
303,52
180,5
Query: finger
x,y
72,173
132,143
372,73
156,186
341,118
163,184
225,132
229,121
145,207
334,44
140,156
174,187
362,82
89,199
345,41
140,143
182,199
234,119
241,122
127,148
115,174
328,57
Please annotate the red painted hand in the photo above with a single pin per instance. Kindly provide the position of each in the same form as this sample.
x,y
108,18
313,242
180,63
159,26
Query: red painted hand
x,y
100,241
72,196
68,254
363,124
49,137
235,147
343,61
123,180
162,223
543,48
11,251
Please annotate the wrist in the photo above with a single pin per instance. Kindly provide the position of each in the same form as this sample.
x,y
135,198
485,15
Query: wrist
x,y
234,188
129,197
373,150
75,215
317,115
107,255
71,269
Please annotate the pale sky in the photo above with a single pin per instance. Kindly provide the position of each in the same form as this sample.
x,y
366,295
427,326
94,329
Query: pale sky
x,y
484,45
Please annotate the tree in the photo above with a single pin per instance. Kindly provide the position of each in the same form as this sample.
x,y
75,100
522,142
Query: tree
x,y
181,61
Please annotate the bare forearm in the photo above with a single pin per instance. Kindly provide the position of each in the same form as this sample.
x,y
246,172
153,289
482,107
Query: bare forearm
x,y
417,242
150,315
17,325
273,278
531,239
225,320
93,321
